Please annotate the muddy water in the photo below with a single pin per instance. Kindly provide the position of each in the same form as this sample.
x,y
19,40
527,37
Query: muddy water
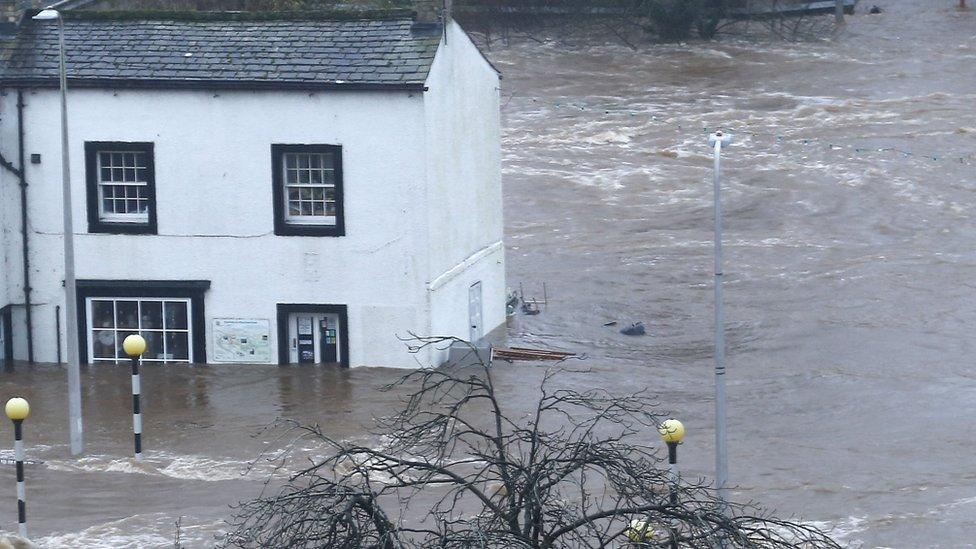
x,y
850,260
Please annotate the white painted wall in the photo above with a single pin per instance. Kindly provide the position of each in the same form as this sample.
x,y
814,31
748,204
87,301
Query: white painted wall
x,y
213,177
464,192
11,266
8,197
411,170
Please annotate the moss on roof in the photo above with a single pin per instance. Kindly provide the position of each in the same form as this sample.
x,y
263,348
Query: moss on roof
x,y
163,15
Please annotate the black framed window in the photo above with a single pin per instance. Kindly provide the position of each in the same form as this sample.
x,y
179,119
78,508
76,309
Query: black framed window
x,y
121,179
169,314
307,190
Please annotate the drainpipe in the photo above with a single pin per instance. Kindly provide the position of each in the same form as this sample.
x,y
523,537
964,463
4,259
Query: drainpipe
x,y
23,225
22,177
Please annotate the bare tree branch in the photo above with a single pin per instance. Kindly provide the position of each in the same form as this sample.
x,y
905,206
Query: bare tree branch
x,y
457,469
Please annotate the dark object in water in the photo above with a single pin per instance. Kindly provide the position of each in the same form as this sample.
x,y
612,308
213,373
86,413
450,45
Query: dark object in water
x,y
874,10
635,329
611,323
530,308
511,304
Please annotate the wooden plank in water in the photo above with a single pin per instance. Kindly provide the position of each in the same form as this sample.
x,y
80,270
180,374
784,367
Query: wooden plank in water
x,y
522,353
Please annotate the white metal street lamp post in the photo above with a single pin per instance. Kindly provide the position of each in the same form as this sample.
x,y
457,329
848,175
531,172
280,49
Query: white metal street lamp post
x,y
718,140
71,295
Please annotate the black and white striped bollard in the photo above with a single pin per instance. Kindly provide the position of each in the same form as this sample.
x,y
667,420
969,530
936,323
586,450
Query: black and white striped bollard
x,y
17,410
134,346
672,431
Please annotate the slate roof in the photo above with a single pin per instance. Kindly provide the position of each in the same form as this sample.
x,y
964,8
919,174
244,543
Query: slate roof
x,y
212,51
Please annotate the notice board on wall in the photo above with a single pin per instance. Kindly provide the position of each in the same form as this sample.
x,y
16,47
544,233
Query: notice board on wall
x,y
242,340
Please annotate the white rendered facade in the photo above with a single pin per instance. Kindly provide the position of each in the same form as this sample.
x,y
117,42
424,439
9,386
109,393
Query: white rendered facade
x,y
421,200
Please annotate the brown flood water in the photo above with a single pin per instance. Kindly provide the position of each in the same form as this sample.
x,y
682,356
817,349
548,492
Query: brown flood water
x,y
850,300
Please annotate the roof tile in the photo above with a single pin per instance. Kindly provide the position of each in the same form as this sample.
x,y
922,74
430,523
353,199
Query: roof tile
x,y
269,53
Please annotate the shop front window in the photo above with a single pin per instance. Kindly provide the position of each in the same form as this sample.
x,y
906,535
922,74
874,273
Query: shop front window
x,y
163,322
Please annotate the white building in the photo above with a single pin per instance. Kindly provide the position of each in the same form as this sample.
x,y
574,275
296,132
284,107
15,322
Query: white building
x,y
252,189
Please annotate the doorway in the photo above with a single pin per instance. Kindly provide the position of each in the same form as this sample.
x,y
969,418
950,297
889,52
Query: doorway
x,y
6,338
312,334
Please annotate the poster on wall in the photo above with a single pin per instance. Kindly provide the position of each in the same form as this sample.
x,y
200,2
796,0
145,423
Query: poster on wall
x,y
242,340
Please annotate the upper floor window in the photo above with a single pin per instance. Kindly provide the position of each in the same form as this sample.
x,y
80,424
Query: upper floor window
x,y
308,190
121,187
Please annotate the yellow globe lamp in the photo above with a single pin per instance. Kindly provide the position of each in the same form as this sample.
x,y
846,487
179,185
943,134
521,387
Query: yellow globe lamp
x,y
134,345
17,409
639,530
671,431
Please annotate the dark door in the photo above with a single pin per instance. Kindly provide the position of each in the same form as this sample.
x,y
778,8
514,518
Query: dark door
x,y
6,338
306,339
329,342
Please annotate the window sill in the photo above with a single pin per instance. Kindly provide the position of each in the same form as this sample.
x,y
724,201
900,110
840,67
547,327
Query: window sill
x,y
108,227
290,229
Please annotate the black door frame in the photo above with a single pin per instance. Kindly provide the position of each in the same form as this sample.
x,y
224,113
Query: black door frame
x,y
286,309
7,353
186,289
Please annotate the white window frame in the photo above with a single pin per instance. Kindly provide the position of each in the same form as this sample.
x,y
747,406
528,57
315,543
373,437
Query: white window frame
x,y
119,355
325,220
112,217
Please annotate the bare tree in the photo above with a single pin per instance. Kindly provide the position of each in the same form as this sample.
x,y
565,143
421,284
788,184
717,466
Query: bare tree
x,y
458,469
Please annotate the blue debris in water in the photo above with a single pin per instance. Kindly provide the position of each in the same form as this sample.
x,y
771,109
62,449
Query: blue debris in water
x,y
635,329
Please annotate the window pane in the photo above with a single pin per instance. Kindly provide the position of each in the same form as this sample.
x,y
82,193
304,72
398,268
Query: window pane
x,y
176,315
177,345
318,208
302,161
127,314
154,345
103,344
292,194
103,314
303,176
330,209
152,314
290,161
294,208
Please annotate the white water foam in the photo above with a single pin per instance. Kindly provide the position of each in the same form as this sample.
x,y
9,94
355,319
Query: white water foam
x,y
184,467
119,534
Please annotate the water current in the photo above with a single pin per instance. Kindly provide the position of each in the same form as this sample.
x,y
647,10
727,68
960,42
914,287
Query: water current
x,y
850,295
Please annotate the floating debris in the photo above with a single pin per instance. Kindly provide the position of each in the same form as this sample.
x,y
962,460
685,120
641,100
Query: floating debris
x,y
510,354
635,329
512,303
